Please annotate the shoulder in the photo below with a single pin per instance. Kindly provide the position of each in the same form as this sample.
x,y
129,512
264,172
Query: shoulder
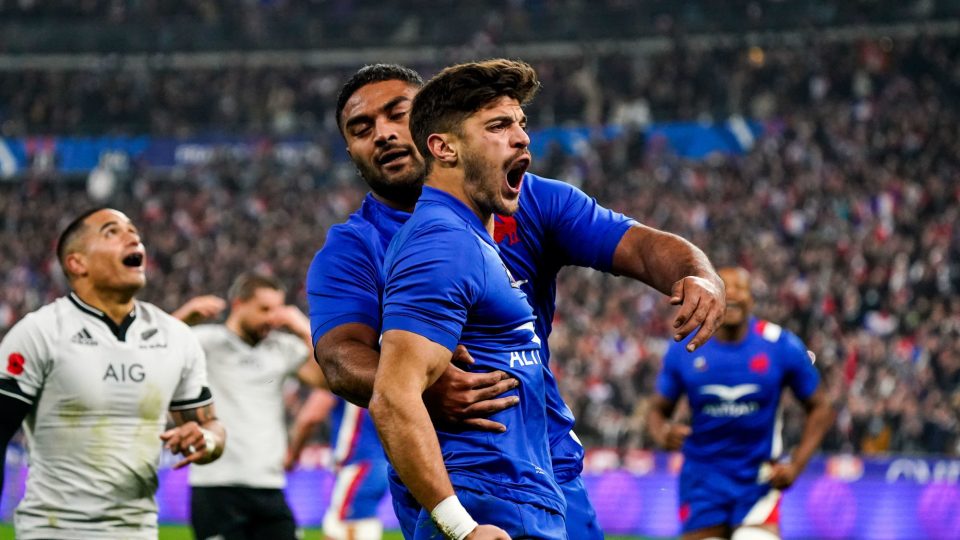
x,y
208,331
350,237
779,337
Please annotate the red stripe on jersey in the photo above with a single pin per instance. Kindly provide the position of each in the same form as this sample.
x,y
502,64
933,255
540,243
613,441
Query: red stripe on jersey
x,y
352,490
774,517
355,439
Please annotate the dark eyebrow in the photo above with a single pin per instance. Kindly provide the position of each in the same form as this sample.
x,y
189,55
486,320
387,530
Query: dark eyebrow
x,y
366,118
506,118
107,224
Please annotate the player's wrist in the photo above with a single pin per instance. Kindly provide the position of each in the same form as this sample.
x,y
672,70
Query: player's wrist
x,y
452,518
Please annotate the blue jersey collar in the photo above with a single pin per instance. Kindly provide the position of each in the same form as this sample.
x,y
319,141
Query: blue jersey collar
x,y
385,219
434,195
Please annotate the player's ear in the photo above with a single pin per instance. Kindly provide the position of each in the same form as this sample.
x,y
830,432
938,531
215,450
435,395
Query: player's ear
x,y
75,264
443,146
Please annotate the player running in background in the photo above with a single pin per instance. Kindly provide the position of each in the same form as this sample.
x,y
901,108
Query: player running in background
x,y
248,360
446,284
94,374
732,478
556,225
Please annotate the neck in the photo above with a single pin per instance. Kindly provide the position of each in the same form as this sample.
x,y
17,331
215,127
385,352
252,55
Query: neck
x,y
396,203
732,333
115,304
233,324
452,182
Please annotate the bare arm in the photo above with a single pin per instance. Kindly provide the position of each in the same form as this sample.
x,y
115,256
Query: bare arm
x,y
677,268
200,308
349,356
665,434
198,435
409,364
314,410
820,416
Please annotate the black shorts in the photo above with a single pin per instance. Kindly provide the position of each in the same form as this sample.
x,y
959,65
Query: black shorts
x,y
240,513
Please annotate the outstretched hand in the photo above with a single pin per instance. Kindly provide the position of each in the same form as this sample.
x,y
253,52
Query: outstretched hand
x,y
702,303
464,398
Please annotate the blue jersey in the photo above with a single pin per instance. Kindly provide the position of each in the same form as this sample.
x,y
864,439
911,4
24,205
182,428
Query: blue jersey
x,y
344,284
445,281
734,393
556,225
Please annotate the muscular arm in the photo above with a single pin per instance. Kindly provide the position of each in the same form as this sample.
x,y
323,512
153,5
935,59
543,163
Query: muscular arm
x,y
193,428
348,356
12,413
409,364
677,268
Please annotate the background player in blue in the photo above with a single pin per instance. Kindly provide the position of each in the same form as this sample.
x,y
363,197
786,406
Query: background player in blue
x,y
731,480
556,225
446,284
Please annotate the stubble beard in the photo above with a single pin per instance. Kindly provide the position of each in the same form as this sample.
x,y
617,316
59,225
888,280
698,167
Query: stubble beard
x,y
403,189
481,188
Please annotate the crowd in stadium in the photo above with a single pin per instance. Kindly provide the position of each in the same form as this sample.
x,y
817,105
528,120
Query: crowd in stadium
x,y
846,210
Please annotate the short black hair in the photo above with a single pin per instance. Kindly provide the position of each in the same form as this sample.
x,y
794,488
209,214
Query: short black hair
x,y
246,285
458,91
73,229
372,74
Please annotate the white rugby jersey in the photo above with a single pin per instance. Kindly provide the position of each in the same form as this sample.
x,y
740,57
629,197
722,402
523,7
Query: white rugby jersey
x,y
248,384
100,393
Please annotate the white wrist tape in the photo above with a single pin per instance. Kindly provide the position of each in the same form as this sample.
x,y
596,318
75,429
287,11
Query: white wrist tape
x,y
452,518
210,441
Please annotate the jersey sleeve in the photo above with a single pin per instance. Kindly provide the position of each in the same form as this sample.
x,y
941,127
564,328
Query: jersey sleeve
x,y
431,284
801,375
343,285
192,391
582,232
26,357
670,380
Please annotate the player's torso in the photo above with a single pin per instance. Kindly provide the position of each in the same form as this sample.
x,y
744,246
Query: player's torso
x,y
734,392
247,384
94,434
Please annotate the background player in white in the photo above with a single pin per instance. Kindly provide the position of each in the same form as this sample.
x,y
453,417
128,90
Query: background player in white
x,y
248,360
732,473
93,375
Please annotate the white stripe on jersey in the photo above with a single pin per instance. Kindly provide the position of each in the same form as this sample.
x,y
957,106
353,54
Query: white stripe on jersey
x,y
348,429
341,487
771,332
762,510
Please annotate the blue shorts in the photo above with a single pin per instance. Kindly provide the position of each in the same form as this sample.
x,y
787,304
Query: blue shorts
x,y
581,518
521,521
358,489
710,497
405,506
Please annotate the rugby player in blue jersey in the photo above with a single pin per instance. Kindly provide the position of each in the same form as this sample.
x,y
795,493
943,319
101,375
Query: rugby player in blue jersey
x,y
732,475
556,225
446,284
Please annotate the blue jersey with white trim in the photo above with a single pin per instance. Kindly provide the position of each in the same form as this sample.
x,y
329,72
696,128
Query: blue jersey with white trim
x,y
556,225
344,284
445,281
734,393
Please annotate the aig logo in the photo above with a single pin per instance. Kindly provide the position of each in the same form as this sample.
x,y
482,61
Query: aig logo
x,y
124,373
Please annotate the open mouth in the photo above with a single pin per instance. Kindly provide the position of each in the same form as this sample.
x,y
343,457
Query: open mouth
x,y
393,155
133,260
515,173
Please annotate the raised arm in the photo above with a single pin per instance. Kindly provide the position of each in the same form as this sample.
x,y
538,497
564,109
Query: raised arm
x,y
198,436
679,269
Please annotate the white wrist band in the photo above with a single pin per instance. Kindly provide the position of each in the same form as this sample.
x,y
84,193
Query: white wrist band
x,y
452,518
210,441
